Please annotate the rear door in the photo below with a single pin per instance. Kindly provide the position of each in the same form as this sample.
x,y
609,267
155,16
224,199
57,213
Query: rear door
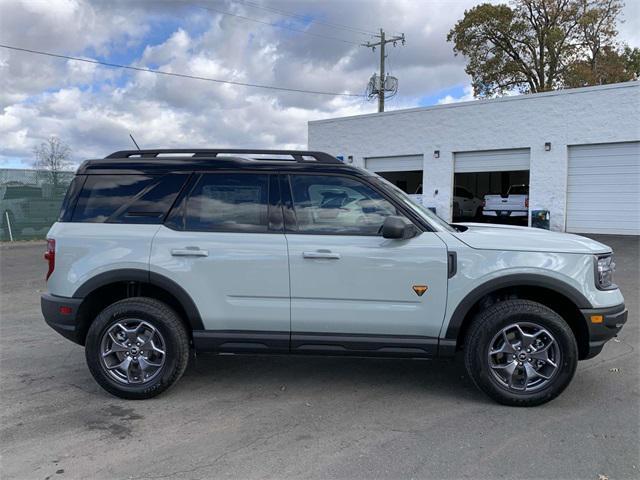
x,y
353,291
224,244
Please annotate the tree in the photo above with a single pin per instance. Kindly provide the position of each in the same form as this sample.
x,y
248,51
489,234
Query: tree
x,y
539,45
612,66
53,156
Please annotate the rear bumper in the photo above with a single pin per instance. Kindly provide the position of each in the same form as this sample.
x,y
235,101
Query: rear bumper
x,y
604,329
65,324
505,213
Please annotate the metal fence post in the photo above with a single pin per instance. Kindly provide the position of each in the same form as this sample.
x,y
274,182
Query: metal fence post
x,y
6,215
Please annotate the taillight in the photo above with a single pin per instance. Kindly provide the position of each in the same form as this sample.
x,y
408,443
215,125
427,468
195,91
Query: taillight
x,y
526,202
50,256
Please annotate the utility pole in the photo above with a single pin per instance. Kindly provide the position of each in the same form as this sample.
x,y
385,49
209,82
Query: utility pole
x,y
382,42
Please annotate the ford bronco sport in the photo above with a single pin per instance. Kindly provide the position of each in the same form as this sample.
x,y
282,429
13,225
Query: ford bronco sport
x,y
242,251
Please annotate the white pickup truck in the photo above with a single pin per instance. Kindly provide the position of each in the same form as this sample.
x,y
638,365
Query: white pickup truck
x,y
514,204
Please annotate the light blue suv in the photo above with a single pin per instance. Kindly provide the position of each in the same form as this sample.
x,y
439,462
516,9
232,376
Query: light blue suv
x,y
243,251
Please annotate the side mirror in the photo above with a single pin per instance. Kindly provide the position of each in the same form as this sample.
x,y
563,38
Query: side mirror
x,y
399,228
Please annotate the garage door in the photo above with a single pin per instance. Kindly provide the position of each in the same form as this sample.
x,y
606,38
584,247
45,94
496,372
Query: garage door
x,y
492,160
393,164
603,188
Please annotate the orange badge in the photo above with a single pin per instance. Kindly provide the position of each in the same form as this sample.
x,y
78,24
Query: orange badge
x,y
420,289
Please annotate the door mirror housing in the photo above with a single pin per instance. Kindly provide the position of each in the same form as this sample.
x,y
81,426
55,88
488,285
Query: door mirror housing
x,y
399,228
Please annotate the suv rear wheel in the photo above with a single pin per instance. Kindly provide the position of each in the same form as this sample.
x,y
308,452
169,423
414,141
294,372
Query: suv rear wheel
x,y
520,353
137,348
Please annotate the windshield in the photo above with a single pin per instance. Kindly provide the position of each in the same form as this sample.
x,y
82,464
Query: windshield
x,y
519,190
430,217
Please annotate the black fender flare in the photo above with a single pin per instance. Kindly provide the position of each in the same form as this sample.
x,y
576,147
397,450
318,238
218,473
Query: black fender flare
x,y
513,280
144,276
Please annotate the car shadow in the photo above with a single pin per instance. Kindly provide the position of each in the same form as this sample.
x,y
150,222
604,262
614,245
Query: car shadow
x,y
444,379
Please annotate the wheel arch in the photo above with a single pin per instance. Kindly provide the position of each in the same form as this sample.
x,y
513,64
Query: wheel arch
x,y
108,287
557,295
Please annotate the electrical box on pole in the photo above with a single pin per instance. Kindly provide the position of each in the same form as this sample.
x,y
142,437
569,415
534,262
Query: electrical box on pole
x,y
383,86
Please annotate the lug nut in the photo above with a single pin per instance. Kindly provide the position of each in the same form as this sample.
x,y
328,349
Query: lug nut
x,y
520,363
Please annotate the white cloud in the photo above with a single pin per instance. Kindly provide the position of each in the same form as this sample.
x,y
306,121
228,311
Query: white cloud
x,y
466,97
94,108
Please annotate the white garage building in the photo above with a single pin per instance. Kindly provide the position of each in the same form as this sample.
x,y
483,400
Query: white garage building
x,y
578,149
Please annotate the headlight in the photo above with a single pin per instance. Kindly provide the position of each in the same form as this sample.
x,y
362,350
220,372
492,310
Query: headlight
x,y
605,267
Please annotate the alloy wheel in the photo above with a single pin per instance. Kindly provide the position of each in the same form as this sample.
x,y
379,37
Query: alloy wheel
x,y
132,351
524,357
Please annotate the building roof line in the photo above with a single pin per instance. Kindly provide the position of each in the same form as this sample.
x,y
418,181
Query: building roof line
x,y
472,103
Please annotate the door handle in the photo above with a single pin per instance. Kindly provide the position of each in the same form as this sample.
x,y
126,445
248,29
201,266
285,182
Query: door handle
x,y
326,254
189,252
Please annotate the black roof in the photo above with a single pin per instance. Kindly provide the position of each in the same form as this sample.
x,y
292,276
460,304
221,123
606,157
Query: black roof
x,y
176,160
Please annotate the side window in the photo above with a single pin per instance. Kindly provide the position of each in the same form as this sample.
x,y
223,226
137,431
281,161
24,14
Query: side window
x,y
338,205
125,198
66,210
228,202
103,195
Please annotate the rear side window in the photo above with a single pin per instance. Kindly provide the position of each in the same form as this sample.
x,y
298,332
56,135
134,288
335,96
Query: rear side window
x,y
127,198
66,210
229,202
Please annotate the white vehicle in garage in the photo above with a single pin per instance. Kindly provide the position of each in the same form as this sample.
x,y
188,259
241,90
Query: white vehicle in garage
x,y
468,204
514,204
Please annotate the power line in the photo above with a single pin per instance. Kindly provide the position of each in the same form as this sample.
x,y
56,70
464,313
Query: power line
x,y
180,75
275,25
304,18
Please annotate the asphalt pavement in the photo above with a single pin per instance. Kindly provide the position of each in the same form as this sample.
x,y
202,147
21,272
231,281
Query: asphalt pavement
x,y
302,417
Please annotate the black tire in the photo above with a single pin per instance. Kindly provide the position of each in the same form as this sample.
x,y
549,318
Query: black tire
x,y
167,323
489,323
478,216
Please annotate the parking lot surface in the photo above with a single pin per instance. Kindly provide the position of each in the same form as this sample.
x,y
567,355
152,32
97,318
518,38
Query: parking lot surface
x,y
304,417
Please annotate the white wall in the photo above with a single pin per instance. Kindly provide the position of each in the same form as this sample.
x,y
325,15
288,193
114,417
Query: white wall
x,y
604,114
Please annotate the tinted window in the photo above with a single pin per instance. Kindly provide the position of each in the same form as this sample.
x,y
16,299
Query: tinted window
x,y
155,201
127,198
519,190
338,205
70,198
233,202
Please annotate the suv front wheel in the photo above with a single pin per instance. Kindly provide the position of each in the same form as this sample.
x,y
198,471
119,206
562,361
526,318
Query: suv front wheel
x,y
137,348
520,353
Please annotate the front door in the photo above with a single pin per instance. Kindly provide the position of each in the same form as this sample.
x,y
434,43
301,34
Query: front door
x,y
353,291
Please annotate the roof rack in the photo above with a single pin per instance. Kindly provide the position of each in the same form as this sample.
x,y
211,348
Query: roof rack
x,y
296,155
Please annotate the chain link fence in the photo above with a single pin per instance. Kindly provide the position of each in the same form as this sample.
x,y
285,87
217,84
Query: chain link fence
x,y
30,202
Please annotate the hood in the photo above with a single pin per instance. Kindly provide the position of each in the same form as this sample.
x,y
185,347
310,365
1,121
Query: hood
x,y
524,239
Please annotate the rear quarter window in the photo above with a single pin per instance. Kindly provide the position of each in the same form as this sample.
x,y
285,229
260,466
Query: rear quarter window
x,y
127,198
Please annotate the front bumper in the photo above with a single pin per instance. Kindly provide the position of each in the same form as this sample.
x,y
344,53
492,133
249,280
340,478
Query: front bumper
x,y
603,325
62,320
